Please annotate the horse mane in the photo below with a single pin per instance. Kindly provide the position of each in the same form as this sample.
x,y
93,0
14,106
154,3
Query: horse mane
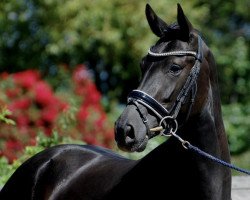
x,y
215,91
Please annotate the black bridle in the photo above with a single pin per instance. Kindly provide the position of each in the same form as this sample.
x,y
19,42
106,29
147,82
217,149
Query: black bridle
x,y
137,97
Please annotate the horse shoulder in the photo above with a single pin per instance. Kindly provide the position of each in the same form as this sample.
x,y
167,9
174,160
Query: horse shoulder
x,y
47,173
25,177
94,178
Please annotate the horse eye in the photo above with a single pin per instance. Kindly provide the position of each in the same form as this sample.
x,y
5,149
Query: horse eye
x,y
175,69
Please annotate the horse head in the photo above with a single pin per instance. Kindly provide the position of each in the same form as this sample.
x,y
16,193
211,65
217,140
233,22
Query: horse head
x,y
174,84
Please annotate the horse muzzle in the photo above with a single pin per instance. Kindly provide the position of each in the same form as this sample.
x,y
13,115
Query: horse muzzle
x,y
131,134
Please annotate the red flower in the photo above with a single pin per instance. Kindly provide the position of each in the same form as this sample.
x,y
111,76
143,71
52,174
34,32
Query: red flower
x,y
32,142
22,121
91,140
35,106
49,114
11,148
13,92
82,115
81,74
20,104
101,120
26,78
4,75
43,94
14,145
93,96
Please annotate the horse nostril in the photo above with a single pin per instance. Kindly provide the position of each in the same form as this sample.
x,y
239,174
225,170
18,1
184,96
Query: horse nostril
x,y
129,131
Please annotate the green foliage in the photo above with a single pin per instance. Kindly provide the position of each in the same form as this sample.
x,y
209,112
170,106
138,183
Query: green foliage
x,y
113,35
6,170
4,113
236,119
242,161
110,35
226,29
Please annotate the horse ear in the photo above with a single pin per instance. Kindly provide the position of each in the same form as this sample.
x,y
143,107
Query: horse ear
x,y
156,24
183,22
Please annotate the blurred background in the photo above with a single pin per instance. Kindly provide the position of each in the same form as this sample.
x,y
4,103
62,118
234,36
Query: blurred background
x,y
66,68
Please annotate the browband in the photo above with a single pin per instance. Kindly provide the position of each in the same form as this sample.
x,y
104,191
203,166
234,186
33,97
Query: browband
x,y
198,55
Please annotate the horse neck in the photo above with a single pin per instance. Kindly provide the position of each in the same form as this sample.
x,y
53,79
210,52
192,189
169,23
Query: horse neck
x,y
185,174
207,127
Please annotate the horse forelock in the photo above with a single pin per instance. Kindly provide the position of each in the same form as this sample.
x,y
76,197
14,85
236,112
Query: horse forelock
x,y
167,42
173,32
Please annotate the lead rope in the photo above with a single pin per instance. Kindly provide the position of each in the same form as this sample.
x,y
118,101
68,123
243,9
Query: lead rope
x,y
197,150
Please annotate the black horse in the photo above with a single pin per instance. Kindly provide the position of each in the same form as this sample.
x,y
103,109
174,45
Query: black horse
x,y
177,96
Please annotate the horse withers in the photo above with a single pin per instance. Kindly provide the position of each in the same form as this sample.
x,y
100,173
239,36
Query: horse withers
x,y
178,95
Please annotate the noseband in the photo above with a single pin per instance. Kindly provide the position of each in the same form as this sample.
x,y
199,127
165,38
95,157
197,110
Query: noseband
x,y
190,87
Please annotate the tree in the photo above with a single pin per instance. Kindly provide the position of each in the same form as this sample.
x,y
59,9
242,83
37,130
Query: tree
x,y
227,27
111,36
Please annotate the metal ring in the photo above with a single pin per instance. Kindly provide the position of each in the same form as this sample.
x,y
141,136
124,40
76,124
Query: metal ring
x,y
164,118
172,129
185,144
165,134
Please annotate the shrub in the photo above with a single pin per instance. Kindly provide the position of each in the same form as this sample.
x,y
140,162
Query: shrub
x,y
75,111
236,119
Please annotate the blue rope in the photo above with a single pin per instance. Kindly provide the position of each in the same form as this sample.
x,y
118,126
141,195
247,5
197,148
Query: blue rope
x,y
199,151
